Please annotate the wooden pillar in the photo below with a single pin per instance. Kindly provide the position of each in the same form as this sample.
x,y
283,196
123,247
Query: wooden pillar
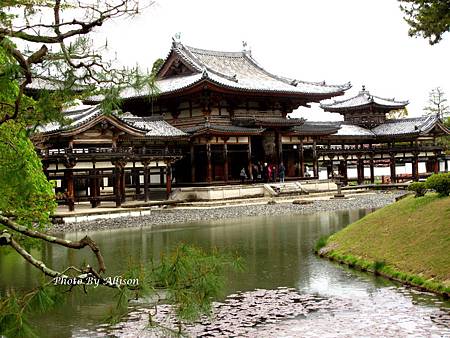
x,y
436,164
392,166
97,186
162,172
122,184
119,182
93,188
225,161
372,170
301,159
146,180
192,163
415,167
445,164
168,179
330,169
208,155
315,161
344,170
136,181
360,170
68,176
280,147
249,158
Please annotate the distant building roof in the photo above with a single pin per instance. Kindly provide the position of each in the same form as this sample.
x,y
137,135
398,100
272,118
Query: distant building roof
x,y
390,128
363,100
410,126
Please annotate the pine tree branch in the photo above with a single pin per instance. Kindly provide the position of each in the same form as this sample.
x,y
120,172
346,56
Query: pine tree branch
x,y
85,241
6,239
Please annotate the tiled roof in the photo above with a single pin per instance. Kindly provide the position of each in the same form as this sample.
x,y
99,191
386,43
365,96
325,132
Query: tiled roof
x,y
399,127
42,83
153,126
234,70
352,130
316,128
240,70
81,115
363,99
409,126
222,129
252,121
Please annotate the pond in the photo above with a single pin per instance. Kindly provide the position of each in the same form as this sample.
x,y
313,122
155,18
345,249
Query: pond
x,y
277,251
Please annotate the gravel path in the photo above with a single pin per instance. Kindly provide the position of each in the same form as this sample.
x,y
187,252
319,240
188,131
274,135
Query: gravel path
x,y
184,215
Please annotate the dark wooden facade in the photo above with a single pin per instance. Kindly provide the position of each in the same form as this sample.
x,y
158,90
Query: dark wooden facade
x,y
100,157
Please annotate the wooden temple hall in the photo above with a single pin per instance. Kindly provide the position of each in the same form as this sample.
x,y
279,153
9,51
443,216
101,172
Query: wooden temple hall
x,y
218,113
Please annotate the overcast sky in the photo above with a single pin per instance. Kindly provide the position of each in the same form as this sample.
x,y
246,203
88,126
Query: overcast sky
x,y
362,41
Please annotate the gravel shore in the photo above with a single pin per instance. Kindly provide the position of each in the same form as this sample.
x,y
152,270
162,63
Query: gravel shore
x,y
184,215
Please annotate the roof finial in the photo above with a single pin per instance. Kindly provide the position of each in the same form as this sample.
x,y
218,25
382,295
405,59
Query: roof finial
x,y
176,38
246,51
363,88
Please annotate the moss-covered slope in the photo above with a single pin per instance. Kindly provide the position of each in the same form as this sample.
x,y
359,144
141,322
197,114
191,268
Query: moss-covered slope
x,y
408,240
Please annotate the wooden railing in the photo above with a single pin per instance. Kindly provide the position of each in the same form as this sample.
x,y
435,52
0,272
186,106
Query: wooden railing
x,y
326,150
157,152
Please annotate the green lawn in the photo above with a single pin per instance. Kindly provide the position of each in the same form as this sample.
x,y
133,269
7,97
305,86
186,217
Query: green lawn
x,y
408,240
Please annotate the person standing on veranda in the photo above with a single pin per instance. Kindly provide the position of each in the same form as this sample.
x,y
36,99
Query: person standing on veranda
x,y
282,172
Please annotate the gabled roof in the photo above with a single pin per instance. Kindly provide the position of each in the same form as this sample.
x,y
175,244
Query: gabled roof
x,y
363,100
83,117
237,71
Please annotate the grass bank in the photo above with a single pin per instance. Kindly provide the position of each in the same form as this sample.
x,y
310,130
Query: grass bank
x,y
408,241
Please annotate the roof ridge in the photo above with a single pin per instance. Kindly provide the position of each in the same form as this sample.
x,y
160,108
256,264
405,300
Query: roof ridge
x,y
290,81
346,85
213,52
366,95
203,67
284,79
409,119
191,59
392,100
248,57
337,101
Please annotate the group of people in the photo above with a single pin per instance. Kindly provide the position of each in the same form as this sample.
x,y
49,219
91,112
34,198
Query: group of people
x,y
264,172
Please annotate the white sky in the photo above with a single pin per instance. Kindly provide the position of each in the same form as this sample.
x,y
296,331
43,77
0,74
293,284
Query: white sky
x,y
362,41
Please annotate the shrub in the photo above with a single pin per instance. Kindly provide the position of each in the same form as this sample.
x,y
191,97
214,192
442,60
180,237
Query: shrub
x,y
420,188
439,183
378,266
320,243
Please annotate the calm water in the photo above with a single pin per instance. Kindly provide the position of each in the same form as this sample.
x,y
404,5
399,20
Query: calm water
x,y
277,251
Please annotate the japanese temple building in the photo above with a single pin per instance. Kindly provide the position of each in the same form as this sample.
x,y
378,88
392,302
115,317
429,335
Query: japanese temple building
x,y
219,112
